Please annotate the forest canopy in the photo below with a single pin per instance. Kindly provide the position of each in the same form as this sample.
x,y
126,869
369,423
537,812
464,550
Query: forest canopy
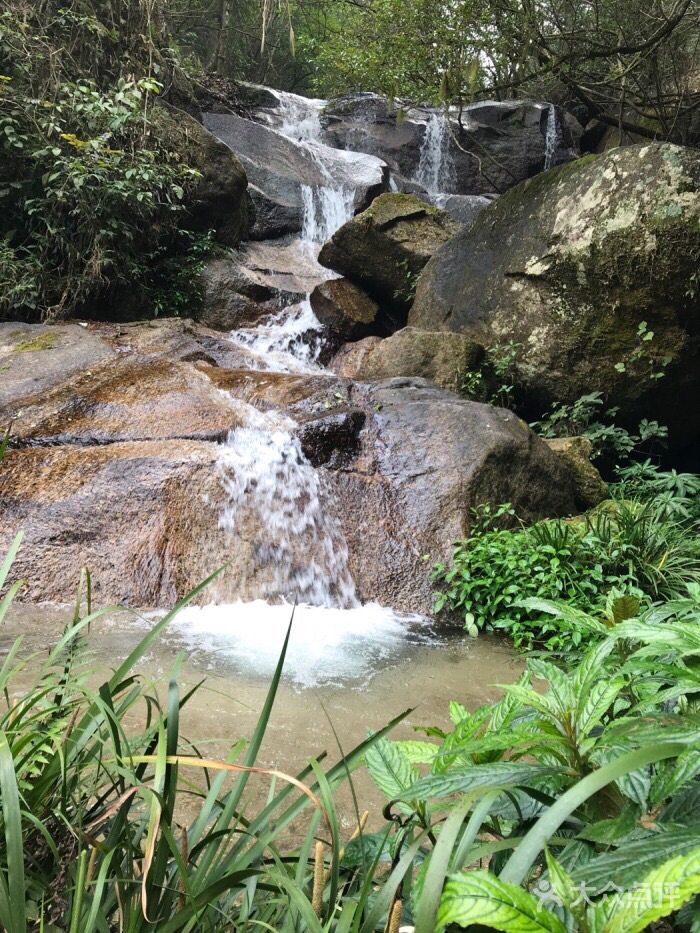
x,y
634,64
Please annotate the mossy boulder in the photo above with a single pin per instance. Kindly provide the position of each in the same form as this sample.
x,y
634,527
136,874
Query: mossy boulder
x,y
575,453
384,248
569,264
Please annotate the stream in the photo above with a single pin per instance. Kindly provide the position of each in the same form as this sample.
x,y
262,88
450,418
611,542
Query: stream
x,y
354,665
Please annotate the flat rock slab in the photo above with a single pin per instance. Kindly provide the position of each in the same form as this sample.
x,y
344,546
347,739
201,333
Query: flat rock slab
x,y
136,514
35,358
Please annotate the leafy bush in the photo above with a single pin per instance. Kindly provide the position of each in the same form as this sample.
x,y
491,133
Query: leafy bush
x,y
678,493
640,547
87,192
601,769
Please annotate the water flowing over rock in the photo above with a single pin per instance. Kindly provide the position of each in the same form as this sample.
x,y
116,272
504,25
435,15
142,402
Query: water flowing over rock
x,y
489,146
153,465
155,454
569,265
289,173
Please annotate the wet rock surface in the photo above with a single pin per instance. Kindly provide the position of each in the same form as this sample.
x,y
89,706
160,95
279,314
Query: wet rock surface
x,y
346,311
119,464
569,265
491,145
426,458
279,167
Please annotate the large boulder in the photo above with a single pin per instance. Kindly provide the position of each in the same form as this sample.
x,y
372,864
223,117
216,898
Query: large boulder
x,y
223,307
489,146
282,169
426,458
441,357
385,248
579,266
220,201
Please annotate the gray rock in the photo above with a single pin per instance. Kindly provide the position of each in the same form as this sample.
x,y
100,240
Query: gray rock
x,y
426,458
279,166
463,207
224,308
491,146
569,265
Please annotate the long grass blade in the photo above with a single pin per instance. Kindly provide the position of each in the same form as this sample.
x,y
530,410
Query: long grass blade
x,y
12,818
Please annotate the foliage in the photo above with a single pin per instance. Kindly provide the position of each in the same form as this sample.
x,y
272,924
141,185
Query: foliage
x,y
635,546
494,381
678,492
585,417
93,782
93,198
601,768
628,63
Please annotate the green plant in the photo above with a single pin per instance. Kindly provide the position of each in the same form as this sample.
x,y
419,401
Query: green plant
x,y
91,805
496,568
678,492
643,548
586,417
494,382
601,768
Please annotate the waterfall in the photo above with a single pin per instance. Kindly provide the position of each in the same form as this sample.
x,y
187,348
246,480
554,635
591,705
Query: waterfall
x,y
325,211
435,166
552,139
273,490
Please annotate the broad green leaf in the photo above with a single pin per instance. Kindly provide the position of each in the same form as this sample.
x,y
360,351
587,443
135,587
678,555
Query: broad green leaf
x,y
565,889
595,702
663,891
390,769
479,897
418,753
629,864
463,780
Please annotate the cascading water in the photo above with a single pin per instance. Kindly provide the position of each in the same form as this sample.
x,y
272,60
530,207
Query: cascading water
x,y
269,482
552,139
435,166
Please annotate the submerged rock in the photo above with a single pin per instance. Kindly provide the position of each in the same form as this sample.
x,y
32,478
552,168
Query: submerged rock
x,y
579,266
441,357
385,248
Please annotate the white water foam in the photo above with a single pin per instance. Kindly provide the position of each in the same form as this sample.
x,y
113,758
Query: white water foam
x,y
288,342
327,646
552,139
326,209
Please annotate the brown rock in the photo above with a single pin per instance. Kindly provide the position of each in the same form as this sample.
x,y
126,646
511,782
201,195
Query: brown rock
x,y
574,453
440,357
384,248
346,311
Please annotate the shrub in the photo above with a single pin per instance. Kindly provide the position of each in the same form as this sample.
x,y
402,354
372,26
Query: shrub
x,y
640,547
601,768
